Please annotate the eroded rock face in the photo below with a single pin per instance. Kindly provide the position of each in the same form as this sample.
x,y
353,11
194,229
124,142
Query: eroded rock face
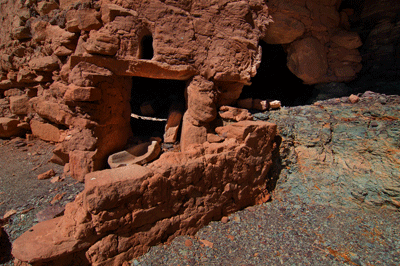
x,y
123,211
83,81
68,66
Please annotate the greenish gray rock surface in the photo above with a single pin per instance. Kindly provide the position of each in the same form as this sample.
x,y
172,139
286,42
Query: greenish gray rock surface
x,y
341,153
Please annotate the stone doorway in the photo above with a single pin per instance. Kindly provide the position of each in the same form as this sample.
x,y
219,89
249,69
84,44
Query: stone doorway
x,y
275,81
153,99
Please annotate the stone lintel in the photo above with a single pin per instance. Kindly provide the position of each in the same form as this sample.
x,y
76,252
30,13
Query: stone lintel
x,y
139,67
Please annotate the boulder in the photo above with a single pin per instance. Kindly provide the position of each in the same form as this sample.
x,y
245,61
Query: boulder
x,y
307,59
81,163
347,39
46,131
83,19
19,105
82,94
110,11
45,7
102,42
283,30
9,127
245,103
21,33
260,105
45,63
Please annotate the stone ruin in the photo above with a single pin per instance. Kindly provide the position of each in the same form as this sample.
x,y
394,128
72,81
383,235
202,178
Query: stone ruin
x,y
86,74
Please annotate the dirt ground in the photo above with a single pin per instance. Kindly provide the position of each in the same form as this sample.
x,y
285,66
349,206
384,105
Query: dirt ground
x,y
24,199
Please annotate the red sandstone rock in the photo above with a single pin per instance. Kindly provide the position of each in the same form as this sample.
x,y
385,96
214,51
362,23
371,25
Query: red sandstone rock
x,y
192,132
47,175
118,203
83,19
284,29
45,7
19,104
110,11
46,131
81,163
47,63
101,42
215,47
213,138
307,60
82,94
234,114
275,104
201,100
9,127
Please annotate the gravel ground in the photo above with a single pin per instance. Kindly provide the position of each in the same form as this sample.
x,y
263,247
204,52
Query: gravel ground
x,y
288,233
21,193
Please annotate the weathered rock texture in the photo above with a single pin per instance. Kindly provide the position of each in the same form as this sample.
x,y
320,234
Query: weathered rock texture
x,y
342,153
70,63
379,25
67,70
124,211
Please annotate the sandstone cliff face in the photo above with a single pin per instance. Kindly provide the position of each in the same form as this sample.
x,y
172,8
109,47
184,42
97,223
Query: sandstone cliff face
x,y
71,62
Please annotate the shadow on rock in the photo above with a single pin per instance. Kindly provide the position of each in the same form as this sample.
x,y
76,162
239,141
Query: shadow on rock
x,y
5,247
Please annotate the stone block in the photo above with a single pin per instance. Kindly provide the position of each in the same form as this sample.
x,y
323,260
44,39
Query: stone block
x,y
9,127
44,63
82,94
19,105
46,131
110,11
83,19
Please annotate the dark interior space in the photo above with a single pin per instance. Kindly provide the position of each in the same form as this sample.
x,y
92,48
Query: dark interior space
x,y
146,47
275,81
153,98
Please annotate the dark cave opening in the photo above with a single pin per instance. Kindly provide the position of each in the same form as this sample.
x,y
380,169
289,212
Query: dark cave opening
x,y
275,81
153,98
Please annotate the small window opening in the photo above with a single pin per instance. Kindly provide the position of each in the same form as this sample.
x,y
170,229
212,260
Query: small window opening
x,y
146,47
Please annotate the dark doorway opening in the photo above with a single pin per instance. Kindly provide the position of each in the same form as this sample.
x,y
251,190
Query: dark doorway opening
x,y
153,98
275,81
146,47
